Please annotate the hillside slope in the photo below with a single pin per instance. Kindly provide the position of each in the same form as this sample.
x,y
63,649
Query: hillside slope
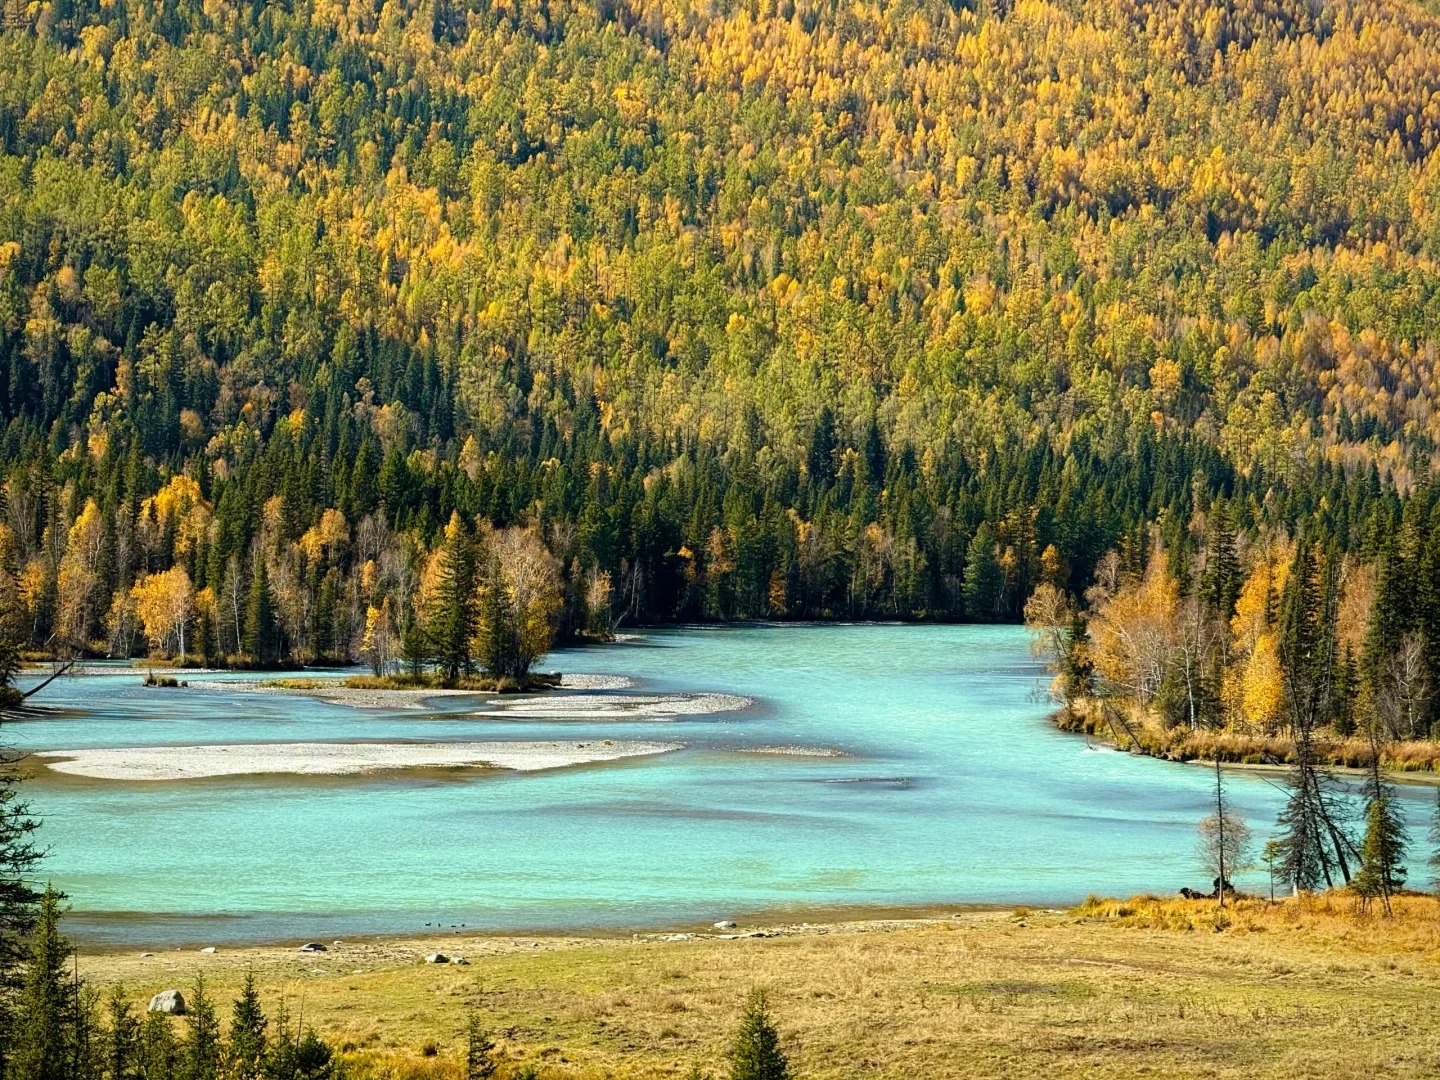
x,y
796,310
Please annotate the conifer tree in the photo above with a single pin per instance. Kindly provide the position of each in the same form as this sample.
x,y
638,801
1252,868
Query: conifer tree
x,y
1313,845
258,640
122,1038
495,631
983,576
1078,669
159,1054
1382,866
202,1041
820,461
245,1046
756,1053
314,1059
43,1046
1382,854
19,859
295,1054
450,622
1434,859
480,1063
1222,579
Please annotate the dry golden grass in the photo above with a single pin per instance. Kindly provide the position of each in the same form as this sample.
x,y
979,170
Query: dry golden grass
x,y
1130,988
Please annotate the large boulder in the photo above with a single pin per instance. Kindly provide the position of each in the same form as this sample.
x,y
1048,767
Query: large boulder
x,y
168,1001
312,946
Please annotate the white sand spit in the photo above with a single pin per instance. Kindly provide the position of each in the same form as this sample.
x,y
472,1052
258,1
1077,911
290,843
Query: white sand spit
x,y
794,751
619,707
582,681
334,759
354,697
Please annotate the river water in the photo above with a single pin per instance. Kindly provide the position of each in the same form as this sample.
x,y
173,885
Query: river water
x,y
944,785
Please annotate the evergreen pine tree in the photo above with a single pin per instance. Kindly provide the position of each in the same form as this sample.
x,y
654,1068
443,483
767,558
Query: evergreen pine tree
x,y
19,858
314,1060
259,634
43,1045
451,628
122,1040
820,460
1434,860
414,647
480,1063
1300,843
1382,855
245,1048
159,1055
296,1054
87,1048
1077,669
983,577
201,1057
1382,867
1222,579
756,1053
495,631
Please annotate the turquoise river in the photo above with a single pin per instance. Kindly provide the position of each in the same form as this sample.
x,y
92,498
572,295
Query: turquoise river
x,y
943,785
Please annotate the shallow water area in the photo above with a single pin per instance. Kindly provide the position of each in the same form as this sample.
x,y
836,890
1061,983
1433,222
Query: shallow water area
x,y
856,765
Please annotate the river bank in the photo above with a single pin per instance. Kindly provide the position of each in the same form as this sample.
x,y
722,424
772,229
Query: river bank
x,y
1137,732
1110,989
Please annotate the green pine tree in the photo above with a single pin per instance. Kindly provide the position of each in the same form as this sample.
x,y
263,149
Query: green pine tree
x,y
245,1048
1434,859
258,639
159,1056
45,1013
201,1060
296,1054
451,624
1382,855
496,643
480,1063
983,580
122,1040
756,1053
313,1059
19,900
1222,578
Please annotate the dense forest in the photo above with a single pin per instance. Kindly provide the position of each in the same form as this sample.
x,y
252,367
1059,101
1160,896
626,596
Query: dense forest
x,y
683,311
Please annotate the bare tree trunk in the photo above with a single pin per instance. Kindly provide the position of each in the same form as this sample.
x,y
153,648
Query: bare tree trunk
x,y
1220,829
61,670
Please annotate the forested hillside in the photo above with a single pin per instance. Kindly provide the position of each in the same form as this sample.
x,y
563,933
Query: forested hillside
x,y
786,310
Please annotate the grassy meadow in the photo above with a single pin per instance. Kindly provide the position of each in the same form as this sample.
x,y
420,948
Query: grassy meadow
x,y
1144,987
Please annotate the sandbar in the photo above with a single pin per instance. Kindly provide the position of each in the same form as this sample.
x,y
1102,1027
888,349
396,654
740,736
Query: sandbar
x,y
334,759
620,707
